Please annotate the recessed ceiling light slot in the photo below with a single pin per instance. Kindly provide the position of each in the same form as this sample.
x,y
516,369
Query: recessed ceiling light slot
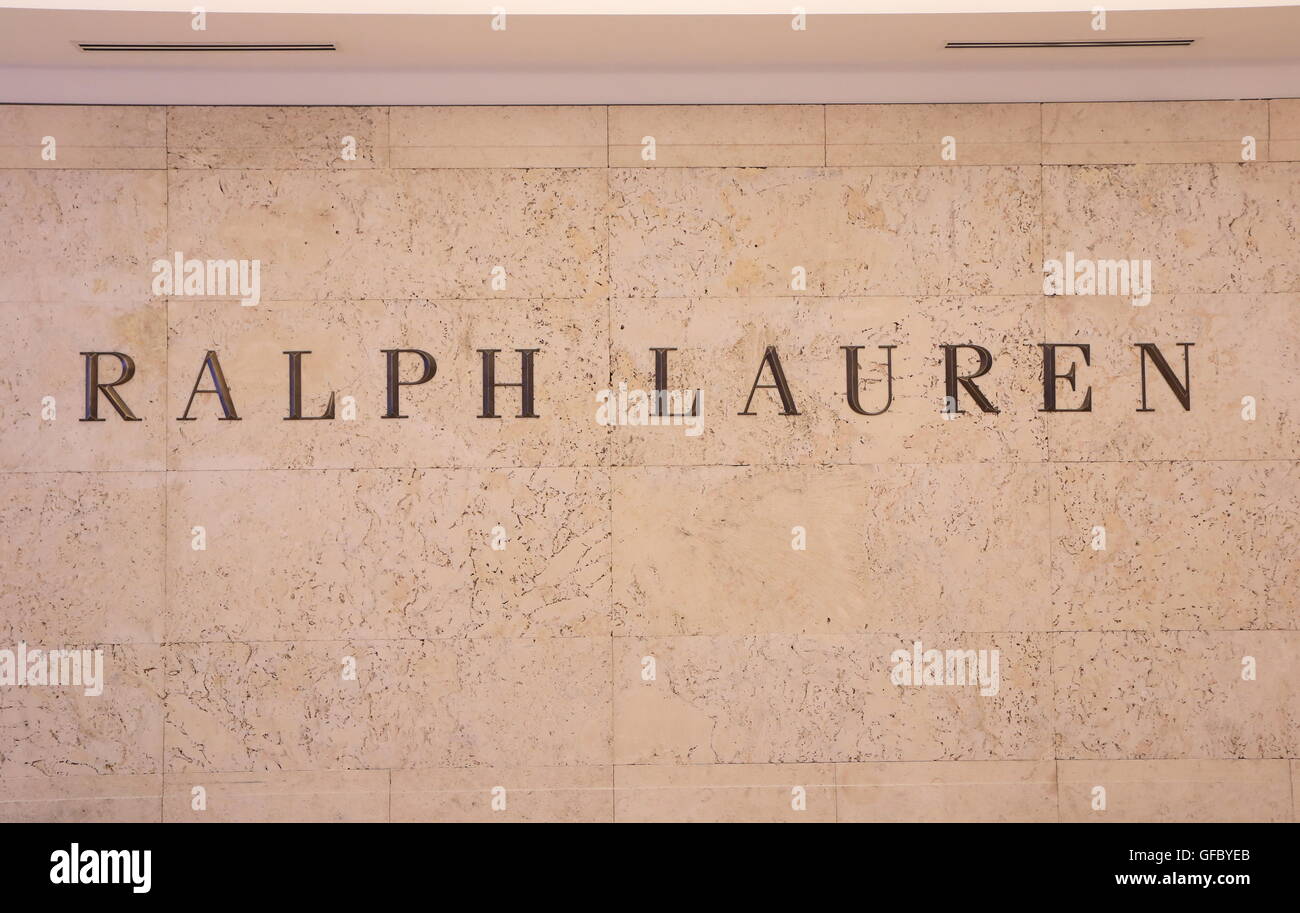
x,y
230,46
1083,43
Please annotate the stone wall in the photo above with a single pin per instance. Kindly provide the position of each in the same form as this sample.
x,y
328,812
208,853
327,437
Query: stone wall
x,y
387,618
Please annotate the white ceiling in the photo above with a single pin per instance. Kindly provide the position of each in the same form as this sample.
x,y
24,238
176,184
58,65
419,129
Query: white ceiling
x,y
386,56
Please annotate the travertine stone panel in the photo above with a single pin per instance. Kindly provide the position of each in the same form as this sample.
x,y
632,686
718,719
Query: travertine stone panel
x,y
388,554
504,795
346,340
712,550
1205,228
47,730
781,699
1188,546
697,136
922,134
276,137
462,702
725,793
1176,790
1175,695
391,618
1243,346
85,136
70,236
1284,130
734,232
720,346
82,798
947,791
41,346
412,234
278,796
542,136
81,553
1153,131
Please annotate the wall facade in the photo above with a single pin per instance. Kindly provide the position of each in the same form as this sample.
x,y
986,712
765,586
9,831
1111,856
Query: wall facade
x,y
382,618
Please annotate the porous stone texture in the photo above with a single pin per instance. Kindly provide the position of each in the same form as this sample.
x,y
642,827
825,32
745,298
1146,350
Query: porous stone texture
x,y
452,617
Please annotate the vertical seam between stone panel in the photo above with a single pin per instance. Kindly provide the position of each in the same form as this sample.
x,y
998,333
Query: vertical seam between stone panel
x,y
1050,641
1042,251
1268,141
1291,768
389,167
826,139
166,605
609,462
835,778
1057,767
1268,131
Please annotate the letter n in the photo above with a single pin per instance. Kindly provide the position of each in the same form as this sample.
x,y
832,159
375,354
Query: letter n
x,y
1182,390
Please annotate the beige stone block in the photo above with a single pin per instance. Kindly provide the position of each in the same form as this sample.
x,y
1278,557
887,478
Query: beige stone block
x,y
85,136
82,554
696,136
489,795
379,554
514,136
856,231
410,234
1204,227
935,792
725,793
504,702
277,796
1139,696
82,799
1176,791
236,136
998,134
1188,546
1095,133
712,550
56,730
782,699
80,236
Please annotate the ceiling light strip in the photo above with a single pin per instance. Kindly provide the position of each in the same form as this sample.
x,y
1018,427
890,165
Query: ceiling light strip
x,y
1097,43
91,46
